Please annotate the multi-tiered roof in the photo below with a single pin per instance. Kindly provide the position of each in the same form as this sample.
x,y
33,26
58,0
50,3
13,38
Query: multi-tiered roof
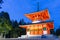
x,y
39,16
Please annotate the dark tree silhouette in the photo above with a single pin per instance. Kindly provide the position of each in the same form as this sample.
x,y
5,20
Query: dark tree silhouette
x,y
23,30
52,31
5,15
58,32
5,25
1,1
15,23
22,22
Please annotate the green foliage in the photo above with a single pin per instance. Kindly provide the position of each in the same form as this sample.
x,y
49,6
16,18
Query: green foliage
x,y
23,30
5,25
9,28
15,32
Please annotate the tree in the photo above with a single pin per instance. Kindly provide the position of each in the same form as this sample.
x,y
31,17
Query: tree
x,y
58,32
5,24
23,30
22,22
15,23
16,31
52,31
1,1
5,15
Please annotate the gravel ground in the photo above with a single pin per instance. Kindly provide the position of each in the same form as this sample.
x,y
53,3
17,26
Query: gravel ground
x,y
31,39
50,37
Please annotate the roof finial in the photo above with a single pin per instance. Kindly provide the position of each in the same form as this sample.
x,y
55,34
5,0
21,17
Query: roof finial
x,y
37,6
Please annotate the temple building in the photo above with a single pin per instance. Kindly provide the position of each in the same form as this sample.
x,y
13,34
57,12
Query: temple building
x,y
41,24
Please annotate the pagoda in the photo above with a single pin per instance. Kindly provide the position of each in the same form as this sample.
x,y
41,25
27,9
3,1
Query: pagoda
x,y
39,25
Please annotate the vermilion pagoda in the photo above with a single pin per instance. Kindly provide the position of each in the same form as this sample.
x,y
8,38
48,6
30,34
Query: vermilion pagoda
x,y
39,25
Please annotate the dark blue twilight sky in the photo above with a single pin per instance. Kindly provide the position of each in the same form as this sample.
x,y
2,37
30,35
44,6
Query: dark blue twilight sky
x,y
17,9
